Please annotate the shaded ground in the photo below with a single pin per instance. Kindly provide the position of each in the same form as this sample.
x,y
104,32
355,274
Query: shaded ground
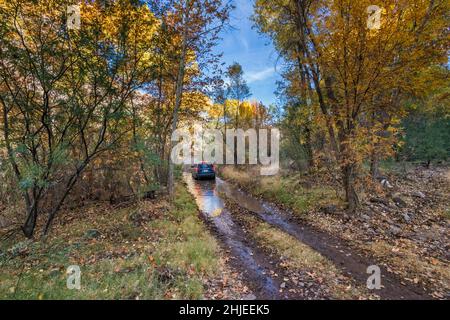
x,y
304,247
146,250
263,270
229,228
404,228
303,272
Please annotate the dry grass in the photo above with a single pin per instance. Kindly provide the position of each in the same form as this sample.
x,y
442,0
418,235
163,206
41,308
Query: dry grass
x,y
284,190
168,255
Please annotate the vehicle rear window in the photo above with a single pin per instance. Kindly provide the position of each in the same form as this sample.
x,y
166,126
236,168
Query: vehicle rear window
x,y
205,166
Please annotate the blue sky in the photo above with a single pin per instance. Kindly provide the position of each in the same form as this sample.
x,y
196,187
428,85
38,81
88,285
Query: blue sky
x,y
253,51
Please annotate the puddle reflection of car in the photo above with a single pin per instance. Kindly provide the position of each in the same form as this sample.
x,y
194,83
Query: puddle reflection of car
x,y
203,171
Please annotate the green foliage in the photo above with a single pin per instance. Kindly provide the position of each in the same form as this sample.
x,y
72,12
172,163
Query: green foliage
x,y
237,89
426,139
301,200
427,126
32,176
297,144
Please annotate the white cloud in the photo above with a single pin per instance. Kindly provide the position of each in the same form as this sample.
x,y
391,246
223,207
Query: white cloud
x,y
259,75
244,43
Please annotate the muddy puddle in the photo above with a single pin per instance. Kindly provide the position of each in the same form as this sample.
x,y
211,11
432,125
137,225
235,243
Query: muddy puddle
x,y
247,259
210,199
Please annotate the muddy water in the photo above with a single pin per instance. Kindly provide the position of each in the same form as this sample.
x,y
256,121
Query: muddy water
x,y
249,261
343,256
209,198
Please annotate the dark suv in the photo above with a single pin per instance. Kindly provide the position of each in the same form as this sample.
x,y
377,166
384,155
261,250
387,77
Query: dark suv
x,y
203,171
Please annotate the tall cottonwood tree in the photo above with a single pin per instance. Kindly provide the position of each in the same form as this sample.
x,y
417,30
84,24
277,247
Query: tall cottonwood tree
x,y
197,24
357,73
237,88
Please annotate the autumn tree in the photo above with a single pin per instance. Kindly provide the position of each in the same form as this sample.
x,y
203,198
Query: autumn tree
x,y
64,93
358,72
237,88
197,24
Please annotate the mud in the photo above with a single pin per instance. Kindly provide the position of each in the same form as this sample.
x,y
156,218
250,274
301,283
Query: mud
x,y
249,260
210,198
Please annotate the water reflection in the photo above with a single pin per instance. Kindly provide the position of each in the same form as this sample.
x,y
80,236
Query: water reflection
x,y
206,194
208,198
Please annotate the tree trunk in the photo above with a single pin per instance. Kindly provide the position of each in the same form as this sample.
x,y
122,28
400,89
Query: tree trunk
x,y
28,227
235,140
135,140
305,92
30,223
309,148
374,165
351,196
178,99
